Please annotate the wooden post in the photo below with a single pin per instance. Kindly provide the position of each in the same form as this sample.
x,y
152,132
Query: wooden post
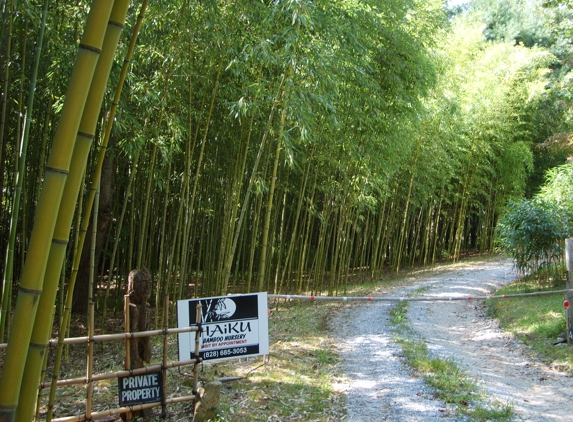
x,y
89,370
197,343
568,284
164,366
127,325
198,396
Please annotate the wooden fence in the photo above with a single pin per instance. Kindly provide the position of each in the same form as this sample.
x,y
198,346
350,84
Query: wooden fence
x,y
90,378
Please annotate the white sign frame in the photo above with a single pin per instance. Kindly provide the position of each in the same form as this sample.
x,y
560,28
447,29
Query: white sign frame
x,y
233,327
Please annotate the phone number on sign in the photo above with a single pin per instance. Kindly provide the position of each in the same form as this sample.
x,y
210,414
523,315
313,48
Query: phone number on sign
x,y
224,353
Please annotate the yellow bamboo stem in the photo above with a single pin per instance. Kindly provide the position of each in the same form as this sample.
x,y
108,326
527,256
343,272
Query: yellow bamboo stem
x,y
89,203
120,410
32,279
165,345
90,387
42,326
117,374
117,336
127,323
197,343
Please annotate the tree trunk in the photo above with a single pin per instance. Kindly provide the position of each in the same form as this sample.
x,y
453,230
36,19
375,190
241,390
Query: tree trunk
x,y
107,186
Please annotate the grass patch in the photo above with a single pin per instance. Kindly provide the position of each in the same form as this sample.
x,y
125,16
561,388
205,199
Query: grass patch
x,y
452,385
536,320
296,381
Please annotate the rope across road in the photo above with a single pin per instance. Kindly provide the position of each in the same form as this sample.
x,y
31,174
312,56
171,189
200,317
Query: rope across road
x,y
441,298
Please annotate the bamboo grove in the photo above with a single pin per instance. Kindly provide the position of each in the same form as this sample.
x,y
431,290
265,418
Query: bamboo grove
x,y
284,146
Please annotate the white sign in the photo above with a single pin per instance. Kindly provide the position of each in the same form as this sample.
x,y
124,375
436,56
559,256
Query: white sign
x,y
232,326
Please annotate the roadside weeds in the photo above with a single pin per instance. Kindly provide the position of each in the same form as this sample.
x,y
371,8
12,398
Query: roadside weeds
x,y
452,385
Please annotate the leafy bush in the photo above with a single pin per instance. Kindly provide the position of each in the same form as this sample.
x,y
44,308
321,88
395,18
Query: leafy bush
x,y
558,188
533,233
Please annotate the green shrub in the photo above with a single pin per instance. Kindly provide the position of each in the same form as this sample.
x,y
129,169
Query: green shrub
x,y
533,233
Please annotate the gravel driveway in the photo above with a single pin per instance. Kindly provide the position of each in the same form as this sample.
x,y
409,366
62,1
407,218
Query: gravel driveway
x,y
380,387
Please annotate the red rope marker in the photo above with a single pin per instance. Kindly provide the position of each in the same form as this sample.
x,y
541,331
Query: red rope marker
x,y
312,298
505,296
369,297
469,298
566,304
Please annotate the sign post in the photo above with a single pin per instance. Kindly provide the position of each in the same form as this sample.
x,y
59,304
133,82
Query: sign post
x,y
232,326
569,283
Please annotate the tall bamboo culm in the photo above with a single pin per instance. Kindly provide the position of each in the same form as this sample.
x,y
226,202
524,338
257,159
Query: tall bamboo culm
x,y
32,279
9,266
87,212
42,331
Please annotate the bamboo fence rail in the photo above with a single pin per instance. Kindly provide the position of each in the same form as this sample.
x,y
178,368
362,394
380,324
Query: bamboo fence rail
x,y
89,379
117,336
442,298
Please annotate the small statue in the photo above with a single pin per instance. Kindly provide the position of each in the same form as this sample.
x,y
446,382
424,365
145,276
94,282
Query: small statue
x,y
139,291
139,286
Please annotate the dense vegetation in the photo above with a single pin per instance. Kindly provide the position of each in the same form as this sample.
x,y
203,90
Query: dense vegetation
x,y
264,145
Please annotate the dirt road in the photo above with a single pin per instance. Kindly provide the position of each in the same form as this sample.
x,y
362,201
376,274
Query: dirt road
x,y
379,386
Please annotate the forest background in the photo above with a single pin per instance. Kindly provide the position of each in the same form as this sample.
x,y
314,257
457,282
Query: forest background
x,y
283,146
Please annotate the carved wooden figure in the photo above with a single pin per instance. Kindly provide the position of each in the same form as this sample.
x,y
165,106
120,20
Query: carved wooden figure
x,y
139,291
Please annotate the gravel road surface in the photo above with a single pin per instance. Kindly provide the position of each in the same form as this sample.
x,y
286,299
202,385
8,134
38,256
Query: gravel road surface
x,y
380,387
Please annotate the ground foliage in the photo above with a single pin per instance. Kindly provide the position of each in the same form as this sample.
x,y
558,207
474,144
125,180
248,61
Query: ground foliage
x,y
542,321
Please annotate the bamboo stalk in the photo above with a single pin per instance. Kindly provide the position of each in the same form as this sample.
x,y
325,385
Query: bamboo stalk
x,y
32,279
266,227
127,328
151,177
42,376
6,88
306,241
8,268
117,237
160,274
93,245
147,199
246,199
302,191
89,202
90,385
120,410
164,363
118,374
197,347
83,144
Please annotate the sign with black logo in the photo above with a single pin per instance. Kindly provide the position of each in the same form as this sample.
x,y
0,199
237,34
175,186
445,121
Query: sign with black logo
x,y
140,389
233,326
